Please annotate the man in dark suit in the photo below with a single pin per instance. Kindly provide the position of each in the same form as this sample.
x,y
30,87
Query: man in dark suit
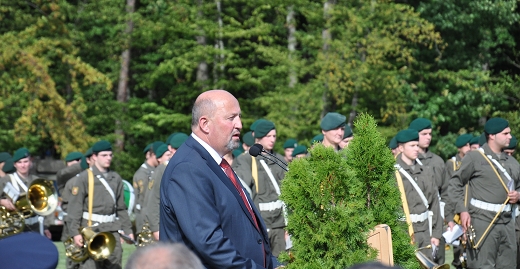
x,y
203,204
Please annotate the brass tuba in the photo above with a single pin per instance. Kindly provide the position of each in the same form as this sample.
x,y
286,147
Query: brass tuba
x,y
145,237
98,246
425,262
11,223
41,198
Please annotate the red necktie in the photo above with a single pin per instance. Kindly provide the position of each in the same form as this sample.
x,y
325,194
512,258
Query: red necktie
x,y
229,172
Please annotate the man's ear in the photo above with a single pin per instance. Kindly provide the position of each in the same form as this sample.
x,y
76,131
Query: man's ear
x,y
204,123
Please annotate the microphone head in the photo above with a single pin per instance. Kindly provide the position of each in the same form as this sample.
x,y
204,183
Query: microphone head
x,y
254,150
259,146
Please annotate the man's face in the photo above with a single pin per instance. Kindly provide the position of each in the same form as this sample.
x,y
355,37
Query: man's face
x,y
288,153
225,125
268,140
509,152
410,149
344,143
165,157
503,138
103,159
474,146
425,138
73,162
153,160
464,149
334,136
23,165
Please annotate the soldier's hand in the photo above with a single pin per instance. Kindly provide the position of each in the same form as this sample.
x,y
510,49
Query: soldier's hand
x,y
78,240
156,235
7,204
47,233
513,197
451,224
132,237
435,241
465,220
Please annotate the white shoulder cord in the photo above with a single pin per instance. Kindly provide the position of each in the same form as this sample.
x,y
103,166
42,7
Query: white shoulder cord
x,y
19,181
415,186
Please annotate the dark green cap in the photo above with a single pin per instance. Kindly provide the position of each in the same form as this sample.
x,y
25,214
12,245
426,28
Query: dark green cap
x,y
407,136
159,152
290,143
147,148
75,155
88,153
4,156
9,166
420,124
83,163
237,152
482,139
393,143
253,126
170,137
301,149
155,146
263,128
317,139
177,140
513,143
348,132
332,120
248,138
102,145
495,125
20,154
474,140
462,140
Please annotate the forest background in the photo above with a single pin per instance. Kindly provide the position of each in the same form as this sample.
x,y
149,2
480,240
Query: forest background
x,y
73,72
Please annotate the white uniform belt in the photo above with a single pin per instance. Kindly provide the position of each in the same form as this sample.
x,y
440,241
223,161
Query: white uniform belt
x,y
31,220
490,206
419,217
270,206
100,218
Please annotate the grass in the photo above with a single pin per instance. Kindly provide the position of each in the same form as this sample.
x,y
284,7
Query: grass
x,y
127,251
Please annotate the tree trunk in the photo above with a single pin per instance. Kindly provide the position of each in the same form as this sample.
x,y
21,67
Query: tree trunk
x,y
202,68
122,89
219,45
291,41
326,37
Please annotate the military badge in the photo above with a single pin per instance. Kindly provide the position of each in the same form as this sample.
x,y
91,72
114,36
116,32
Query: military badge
x,y
150,184
457,165
75,190
141,185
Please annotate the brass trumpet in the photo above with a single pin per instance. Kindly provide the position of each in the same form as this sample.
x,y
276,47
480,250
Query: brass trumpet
x,y
471,236
98,246
41,198
11,223
425,262
145,237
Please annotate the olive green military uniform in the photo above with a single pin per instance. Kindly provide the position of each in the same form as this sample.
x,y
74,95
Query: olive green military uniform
x,y
265,196
63,176
487,194
423,176
153,198
452,165
31,223
141,179
104,212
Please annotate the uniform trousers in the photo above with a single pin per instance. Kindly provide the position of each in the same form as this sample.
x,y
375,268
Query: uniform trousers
x,y
277,240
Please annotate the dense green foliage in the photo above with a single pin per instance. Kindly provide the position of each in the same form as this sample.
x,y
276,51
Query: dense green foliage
x,y
455,62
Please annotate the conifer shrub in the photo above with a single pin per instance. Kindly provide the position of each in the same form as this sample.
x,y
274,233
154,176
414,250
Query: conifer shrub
x,y
334,199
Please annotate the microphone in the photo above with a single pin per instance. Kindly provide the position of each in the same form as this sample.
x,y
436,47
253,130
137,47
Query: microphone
x,y
257,149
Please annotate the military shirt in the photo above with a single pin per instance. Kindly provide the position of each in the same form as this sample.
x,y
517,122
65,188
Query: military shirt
x,y
437,164
65,174
450,168
484,184
423,176
153,198
103,203
264,192
141,180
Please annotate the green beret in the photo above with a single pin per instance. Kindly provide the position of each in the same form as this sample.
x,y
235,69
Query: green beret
x,y
263,128
253,126
462,140
474,140
420,124
83,163
73,156
170,137
159,152
248,138
4,156
512,143
407,136
482,139
177,140
393,143
9,166
155,145
290,143
301,149
102,145
348,132
237,152
318,138
88,153
332,120
20,154
495,125
147,148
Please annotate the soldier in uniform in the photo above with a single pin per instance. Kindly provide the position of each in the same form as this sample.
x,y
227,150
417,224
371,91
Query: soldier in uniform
x,y
288,148
492,179
348,135
153,195
333,129
175,141
4,156
452,165
418,184
428,158
393,147
473,143
21,179
248,140
510,150
108,207
263,177
141,180
299,152
8,167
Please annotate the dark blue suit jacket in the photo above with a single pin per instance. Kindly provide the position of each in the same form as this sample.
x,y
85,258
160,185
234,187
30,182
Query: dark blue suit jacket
x,y
201,208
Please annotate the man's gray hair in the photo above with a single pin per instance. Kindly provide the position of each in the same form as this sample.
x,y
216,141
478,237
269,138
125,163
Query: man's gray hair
x,y
164,256
202,107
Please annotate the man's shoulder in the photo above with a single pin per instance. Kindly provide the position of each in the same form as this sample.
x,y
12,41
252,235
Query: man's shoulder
x,y
143,170
436,158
